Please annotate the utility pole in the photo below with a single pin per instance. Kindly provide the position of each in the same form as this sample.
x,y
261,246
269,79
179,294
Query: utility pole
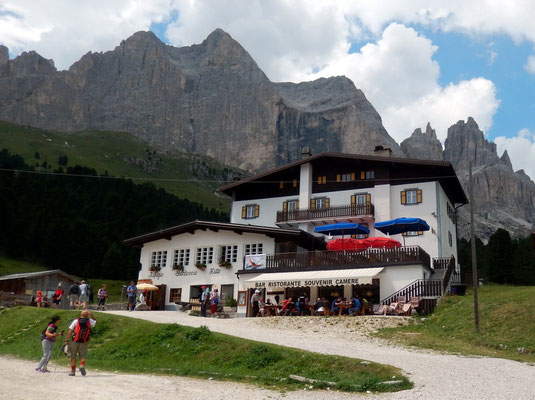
x,y
473,248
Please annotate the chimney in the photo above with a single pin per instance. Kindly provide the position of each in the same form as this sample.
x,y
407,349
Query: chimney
x,y
381,151
305,152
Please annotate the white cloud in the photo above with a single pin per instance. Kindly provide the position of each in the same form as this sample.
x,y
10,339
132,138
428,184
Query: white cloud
x,y
521,149
530,65
400,78
474,17
64,30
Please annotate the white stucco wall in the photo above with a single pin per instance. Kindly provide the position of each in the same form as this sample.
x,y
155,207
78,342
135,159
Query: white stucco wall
x,y
395,278
213,275
445,225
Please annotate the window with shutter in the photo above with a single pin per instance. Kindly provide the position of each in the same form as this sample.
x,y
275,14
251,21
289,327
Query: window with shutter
x,y
418,195
281,185
368,199
403,197
362,175
312,204
250,211
352,176
327,203
284,206
295,183
338,178
411,196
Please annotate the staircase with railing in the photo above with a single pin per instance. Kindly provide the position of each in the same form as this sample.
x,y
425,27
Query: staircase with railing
x,y
428,291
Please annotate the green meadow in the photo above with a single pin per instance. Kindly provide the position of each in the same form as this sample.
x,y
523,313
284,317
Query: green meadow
x,y
132,345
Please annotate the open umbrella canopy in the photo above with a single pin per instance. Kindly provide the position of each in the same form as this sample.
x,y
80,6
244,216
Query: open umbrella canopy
x,y
346,244
146,286
381,242
342,228
401,225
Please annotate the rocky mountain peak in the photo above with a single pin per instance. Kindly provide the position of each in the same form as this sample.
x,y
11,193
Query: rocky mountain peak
x,y
506,160
466,143
423,145
4,54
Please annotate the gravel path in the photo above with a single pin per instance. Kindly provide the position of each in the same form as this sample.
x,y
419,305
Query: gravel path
x,y
436,376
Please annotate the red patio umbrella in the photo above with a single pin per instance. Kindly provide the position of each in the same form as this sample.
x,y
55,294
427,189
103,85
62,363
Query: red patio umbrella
x,y
381,242
346,244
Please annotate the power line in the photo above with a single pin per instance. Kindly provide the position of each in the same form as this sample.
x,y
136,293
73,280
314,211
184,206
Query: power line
x,y
211,180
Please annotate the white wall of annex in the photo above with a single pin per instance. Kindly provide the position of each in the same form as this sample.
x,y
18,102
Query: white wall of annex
x,y
267,214
213,275
424,210
395,278
446,225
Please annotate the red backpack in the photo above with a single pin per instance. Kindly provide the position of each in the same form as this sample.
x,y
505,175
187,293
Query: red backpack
x,y
82,330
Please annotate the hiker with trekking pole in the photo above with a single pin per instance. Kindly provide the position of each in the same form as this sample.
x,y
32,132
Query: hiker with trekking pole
x,y
48,337
78,339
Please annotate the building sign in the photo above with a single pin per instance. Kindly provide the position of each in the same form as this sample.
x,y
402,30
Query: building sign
x,y
149,281
185,273
308,282
215,271
255,261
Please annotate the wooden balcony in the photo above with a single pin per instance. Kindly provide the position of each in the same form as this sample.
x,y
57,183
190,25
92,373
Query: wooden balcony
x,y
334,212
323,260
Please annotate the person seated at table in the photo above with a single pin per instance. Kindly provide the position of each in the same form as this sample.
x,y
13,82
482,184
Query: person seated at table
x,y
261,307
287,306
335,305
356,306
268,303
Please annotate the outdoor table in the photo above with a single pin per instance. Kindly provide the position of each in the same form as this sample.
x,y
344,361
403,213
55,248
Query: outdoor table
x,y
268,308
309,307
343,306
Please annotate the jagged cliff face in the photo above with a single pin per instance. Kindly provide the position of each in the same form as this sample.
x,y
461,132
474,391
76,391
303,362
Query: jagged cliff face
x,y
503,198
423,145
210,98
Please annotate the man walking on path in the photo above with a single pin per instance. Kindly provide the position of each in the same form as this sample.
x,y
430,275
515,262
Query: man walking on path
x,y
131,292
78,339
74,295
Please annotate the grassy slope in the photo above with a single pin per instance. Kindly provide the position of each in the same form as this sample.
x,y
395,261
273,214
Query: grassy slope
x,y
9,266
132,345
507,323
107,151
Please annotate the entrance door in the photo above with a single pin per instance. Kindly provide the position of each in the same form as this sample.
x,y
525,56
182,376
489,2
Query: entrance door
x,y
158,298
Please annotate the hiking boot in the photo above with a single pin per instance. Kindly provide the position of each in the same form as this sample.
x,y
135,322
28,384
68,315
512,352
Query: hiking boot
x,y
82,371
72,374
38,369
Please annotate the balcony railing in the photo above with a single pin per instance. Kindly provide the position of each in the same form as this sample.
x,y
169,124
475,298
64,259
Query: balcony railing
x,y
316,260
321,213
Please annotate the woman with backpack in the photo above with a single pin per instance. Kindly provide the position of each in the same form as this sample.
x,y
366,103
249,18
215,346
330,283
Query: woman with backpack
x,y
48,337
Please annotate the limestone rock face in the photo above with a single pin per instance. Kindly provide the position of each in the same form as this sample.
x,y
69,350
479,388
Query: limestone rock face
x,y
210,98
502,198
4,54
423,145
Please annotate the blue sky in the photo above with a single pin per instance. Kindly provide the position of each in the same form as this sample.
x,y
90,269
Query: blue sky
x,y
415,60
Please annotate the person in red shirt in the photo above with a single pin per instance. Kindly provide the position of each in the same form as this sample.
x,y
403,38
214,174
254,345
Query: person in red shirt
x,y
39,299
56,299
287,306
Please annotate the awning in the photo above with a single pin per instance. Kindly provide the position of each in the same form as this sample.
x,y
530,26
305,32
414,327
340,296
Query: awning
x,y
336,277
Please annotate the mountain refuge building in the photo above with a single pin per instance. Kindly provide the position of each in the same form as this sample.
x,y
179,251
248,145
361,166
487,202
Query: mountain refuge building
x,y
270,244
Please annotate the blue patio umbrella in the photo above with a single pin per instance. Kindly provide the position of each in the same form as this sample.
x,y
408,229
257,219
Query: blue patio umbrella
x,y
402,225
342,228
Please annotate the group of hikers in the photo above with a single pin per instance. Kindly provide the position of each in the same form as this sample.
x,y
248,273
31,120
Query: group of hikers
x,y
209,298
76,341
80,294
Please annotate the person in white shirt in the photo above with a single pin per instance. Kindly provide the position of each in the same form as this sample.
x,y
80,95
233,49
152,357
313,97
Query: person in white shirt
x,y
84,295
78,339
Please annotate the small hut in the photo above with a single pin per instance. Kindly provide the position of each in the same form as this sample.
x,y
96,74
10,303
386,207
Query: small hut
x,y
23,286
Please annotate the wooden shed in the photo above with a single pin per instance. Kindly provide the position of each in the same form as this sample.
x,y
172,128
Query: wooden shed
x,y
26,284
